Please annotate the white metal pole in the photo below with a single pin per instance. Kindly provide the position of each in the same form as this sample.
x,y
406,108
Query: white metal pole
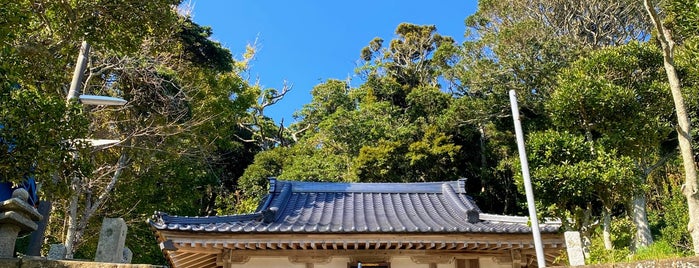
x,y
80,66
73,93
538,246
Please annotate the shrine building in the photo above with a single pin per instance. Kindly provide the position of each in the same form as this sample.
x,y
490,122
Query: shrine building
x,y
347,225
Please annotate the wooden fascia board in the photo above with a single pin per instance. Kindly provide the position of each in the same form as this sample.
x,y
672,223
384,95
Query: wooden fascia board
x,y
182,236
210,243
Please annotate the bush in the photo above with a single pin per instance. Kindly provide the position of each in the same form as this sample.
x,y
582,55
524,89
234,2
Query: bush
x,y
658,250
622,234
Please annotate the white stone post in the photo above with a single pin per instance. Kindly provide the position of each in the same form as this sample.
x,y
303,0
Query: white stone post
x,y
110,247
574,246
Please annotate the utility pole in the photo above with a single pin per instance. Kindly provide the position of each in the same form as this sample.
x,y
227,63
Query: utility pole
x,y
45,206
74,93
80,66
538,246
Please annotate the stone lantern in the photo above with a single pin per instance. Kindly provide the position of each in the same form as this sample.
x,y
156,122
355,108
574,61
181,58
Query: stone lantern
x,y
17,218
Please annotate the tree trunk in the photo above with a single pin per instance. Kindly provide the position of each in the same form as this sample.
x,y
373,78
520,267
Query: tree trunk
x,y
689,189
71,233
481,132
606,228
76,228
643,237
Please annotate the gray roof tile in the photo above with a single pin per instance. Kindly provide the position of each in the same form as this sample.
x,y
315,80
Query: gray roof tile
x,y
321,207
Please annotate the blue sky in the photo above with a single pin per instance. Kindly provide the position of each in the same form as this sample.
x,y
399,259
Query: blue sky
x,y
308,42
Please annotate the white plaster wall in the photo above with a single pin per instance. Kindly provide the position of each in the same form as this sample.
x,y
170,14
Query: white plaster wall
x,y
400,262
488,262
335,262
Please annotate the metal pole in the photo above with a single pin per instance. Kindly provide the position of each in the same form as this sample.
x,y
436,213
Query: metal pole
x,y
73,93
80,66
538,246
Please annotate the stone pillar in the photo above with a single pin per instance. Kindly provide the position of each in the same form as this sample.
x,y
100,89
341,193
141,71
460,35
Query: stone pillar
x,y
57,252
8,237
16,218
574,246
128,255
110,247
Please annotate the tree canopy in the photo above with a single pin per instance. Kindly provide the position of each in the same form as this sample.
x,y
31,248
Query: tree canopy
x,y
195,139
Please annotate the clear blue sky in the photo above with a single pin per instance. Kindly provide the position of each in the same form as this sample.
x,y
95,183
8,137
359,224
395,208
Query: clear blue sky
x,y
308,42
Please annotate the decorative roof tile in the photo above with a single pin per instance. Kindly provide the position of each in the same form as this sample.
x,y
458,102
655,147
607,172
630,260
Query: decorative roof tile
x,y
324,207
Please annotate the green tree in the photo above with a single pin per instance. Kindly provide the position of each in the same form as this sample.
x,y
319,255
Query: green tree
x,y
181,87
616,99
414,58
386,129
667,43
572,178
522,45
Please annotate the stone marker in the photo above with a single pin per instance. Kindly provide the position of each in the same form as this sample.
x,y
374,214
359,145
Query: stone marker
x,y
110,247
574,247
128,255
57,252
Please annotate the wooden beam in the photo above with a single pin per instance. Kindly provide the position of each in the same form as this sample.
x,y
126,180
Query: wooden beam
x,y
361,252
195,260
452,245
188,236
185,249
310,259
516,256
370,258
430,259
187,257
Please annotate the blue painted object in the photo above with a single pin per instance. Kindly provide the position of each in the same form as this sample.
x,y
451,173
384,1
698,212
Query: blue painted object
x,y
5,191
30,185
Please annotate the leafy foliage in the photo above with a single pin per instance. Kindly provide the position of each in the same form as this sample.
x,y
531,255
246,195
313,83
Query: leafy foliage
x,y
195,139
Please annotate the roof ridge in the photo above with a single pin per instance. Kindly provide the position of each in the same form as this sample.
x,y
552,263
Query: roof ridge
x,y
164,218
470,210
270,214
365,187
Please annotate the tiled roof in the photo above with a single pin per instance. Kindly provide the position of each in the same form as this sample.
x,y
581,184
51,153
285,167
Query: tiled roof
x,y
323,207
